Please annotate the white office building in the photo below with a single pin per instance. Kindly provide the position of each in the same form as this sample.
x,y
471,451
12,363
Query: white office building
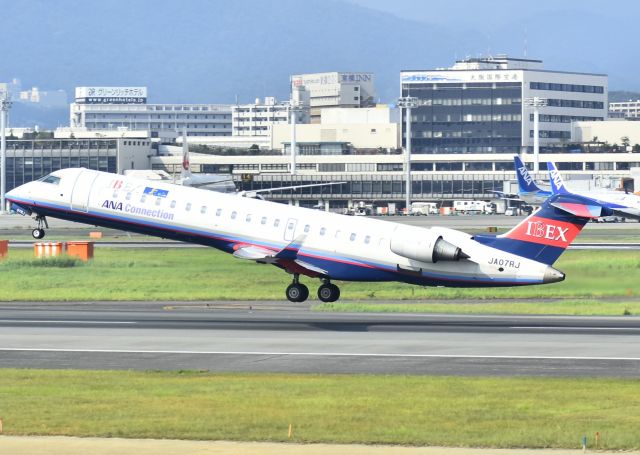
x,y
106,108
628,109
258,119
479,105
336,89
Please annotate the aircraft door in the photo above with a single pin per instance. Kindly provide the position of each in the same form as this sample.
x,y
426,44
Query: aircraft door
x,y
82,190
290,229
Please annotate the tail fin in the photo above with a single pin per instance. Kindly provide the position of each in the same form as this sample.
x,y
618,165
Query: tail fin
x,y
186,165
544,235
557,184
525,181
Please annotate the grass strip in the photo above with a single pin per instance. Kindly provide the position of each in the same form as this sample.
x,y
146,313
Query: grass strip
x,y
207,274
586,307
412,410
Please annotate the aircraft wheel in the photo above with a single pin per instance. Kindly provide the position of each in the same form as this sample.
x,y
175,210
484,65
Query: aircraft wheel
x,y
37,233
328,292
297,292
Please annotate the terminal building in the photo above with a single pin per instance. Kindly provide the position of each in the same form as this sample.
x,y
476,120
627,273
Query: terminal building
x,y
29,160
106,108
480,105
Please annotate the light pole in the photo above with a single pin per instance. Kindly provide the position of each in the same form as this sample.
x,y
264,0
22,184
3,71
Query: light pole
x,y
5,105
294,108
536,102
408,102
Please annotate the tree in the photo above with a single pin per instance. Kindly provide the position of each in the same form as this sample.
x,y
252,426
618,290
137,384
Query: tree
x,y
625,141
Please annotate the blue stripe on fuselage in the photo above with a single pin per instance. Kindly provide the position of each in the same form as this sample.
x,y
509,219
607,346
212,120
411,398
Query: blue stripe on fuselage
x,y
339,267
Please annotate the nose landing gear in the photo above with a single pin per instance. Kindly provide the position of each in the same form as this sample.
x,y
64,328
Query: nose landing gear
x,y
38,232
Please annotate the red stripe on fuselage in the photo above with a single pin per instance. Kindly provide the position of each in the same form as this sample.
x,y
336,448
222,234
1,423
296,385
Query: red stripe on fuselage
x,y
545,231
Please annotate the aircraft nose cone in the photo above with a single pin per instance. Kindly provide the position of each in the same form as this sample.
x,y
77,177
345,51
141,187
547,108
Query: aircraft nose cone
x,y
552,275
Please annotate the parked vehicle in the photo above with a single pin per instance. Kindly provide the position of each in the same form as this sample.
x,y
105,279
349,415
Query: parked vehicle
x,y
423,208
474,207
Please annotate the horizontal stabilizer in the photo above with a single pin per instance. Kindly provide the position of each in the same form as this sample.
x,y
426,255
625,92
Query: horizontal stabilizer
x,y
578,209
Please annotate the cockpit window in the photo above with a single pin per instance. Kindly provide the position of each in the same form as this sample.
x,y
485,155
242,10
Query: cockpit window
x,y
50,179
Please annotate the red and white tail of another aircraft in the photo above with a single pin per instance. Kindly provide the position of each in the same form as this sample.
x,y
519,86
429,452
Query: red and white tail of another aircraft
x,y
308,242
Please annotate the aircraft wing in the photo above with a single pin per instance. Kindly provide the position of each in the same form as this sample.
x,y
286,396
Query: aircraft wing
x,y
627,212
255,253
256,193
287,257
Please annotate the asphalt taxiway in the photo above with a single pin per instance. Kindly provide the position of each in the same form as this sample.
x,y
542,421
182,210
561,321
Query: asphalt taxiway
x,y
276,337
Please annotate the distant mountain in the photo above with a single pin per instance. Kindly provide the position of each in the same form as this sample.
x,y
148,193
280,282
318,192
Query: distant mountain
x,y
213,51
618,96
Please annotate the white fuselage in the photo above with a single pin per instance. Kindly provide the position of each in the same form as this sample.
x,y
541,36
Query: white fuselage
x,y
348,248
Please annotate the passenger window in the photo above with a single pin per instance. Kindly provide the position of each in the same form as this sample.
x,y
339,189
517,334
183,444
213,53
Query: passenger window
x,y
276,223
188,207
290,227
263,220
337,234
306,228
143,198
173,204
322,231
128,197
115,194
352,237
248,218
367,239
233,215
158,200
203,209
218,212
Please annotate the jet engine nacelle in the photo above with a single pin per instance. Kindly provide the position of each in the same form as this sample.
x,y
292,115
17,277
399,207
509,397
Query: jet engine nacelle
x,y
423,245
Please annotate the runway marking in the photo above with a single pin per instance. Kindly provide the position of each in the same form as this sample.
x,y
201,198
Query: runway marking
x,y
26,321
317,354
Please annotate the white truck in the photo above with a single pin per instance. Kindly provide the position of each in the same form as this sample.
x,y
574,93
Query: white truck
x,y
474,207
423,208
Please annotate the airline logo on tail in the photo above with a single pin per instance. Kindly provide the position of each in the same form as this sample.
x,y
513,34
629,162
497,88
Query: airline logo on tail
x,y
546,232
556,179
522,170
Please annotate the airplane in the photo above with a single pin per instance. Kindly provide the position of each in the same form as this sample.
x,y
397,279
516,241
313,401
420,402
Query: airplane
x,y
528,190
620,203
323,245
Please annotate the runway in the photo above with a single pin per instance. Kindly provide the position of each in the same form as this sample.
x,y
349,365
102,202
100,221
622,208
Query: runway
x,y
277,337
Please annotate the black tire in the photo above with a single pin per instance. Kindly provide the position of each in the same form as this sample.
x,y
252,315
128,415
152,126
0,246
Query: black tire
x,y
328,292
37,233
297,292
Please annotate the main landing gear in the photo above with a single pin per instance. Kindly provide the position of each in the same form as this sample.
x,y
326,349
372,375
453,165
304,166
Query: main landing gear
x,y
38,232
298,292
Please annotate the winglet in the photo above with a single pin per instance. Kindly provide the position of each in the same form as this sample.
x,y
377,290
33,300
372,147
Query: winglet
x,y
557,184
